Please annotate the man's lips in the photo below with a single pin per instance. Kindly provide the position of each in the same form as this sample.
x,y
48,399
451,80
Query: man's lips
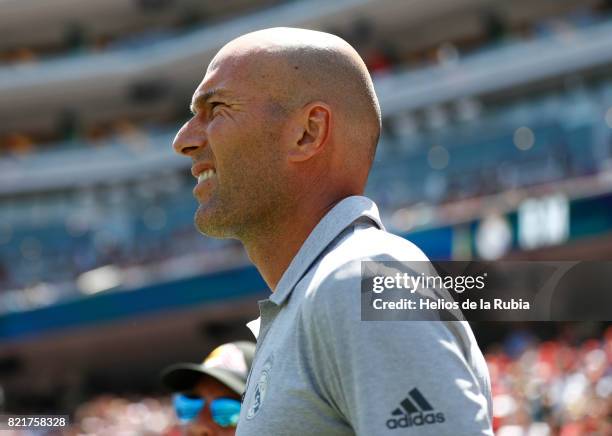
x,y
205,173
200,167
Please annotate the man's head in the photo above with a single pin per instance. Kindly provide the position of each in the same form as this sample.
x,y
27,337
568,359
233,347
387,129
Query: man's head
x,y
282,116
207,395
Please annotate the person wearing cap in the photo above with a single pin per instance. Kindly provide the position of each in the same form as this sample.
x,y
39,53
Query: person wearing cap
x,y
208,395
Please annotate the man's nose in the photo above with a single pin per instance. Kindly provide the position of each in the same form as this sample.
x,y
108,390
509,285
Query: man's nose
x,y
204,425
200,429
190,138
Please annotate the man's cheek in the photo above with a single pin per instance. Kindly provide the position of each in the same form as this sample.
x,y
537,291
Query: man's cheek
x,y
213,134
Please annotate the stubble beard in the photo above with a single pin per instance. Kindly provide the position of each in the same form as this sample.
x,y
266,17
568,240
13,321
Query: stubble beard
x,y
248,211
244,217
215,220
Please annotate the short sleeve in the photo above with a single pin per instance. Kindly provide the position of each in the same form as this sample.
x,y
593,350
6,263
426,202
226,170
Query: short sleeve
x,y
384,376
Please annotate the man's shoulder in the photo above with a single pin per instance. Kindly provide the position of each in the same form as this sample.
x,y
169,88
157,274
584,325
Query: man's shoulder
x,y
342,262
336,277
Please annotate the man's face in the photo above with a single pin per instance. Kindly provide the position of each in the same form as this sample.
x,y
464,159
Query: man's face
x,y
210,389
235,140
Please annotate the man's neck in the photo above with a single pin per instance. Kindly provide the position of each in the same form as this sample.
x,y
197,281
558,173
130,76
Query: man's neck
x,y
273,249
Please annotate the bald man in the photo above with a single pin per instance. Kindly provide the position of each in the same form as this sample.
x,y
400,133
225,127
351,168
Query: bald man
x,y
283,134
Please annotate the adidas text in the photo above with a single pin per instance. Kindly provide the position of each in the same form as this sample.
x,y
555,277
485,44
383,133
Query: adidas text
x,y
416,419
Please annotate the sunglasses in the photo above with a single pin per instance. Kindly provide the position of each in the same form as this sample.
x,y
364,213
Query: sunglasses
x,y
224,411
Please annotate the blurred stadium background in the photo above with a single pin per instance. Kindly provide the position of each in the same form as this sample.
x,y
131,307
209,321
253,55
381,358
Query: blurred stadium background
x,y
497,144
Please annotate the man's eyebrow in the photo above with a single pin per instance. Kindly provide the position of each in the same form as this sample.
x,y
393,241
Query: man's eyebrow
x,y
203,98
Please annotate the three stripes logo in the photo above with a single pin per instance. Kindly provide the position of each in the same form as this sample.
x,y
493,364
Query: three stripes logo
x,y
415,410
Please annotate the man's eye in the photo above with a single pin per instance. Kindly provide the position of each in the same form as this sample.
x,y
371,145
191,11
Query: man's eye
x,y
214,105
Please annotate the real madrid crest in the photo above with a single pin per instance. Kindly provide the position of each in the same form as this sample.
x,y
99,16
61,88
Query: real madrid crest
x,y
261,388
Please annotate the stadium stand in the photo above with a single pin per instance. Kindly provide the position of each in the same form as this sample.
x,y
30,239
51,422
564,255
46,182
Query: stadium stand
x,y
489,107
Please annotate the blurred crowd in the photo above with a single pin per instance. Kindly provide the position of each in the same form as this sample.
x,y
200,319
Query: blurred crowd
x,y
50,239
552,388
111,415
549,388
73,269
116,416
381,55
540,388
76,38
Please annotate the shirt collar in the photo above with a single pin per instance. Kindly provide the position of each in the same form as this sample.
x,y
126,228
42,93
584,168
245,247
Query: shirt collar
x,y
331,225
254,327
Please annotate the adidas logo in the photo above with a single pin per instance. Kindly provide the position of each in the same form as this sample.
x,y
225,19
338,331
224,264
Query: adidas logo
x,y
415,410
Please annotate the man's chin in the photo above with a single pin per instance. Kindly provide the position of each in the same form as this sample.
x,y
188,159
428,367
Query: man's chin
x,y
209,224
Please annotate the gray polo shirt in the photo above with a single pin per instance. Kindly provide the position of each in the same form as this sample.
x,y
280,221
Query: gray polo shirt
x,y
320,370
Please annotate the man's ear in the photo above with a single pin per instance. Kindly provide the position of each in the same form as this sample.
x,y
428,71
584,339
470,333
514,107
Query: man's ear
x,y
314,131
